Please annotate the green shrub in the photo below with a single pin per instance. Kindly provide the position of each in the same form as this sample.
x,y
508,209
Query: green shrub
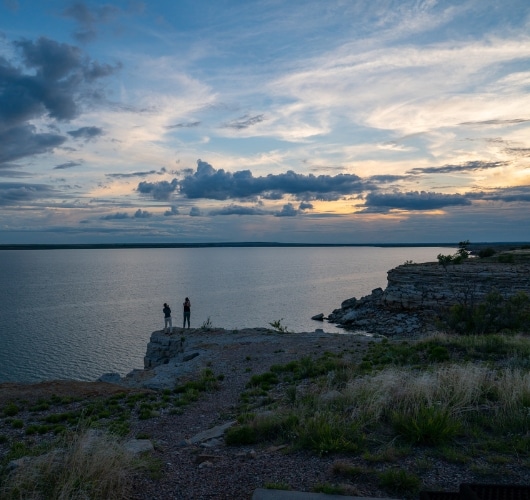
x,y
399,481
429,425
11,409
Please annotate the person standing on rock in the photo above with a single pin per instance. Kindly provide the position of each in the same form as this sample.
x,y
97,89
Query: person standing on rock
x,y
187,312
168,326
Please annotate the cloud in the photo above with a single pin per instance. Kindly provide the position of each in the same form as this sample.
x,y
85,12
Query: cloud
x,y
513,121
195,212
466,167
305,206
287,211
68,164
142,214
159,190
137,174
15,193
86,133
88,19
507,195
172,211
52,81
183,125
22,141
238,210
207,182
414,200
116,216
244,122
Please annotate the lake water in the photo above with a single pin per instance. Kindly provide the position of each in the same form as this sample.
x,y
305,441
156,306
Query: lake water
x,y
77,314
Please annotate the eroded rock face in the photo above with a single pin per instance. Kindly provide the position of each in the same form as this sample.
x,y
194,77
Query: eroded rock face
x,y
416,293
161,348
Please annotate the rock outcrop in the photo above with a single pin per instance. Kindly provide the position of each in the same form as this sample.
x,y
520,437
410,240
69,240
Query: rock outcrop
x,y
417,293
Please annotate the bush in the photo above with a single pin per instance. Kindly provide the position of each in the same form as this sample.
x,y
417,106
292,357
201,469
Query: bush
x,y
399,481
495,314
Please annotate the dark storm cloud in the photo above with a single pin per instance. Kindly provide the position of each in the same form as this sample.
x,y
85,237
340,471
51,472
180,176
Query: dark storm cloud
x,y
15,193
172,211
159,190
287,211
469,166
244,122
210,183
414,200
88,19
238,210
183,125
19,142
68,164
86,133
195,212
305,206
52,81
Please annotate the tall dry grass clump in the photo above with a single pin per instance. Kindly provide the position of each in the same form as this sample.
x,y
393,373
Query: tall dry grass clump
x,y
89,465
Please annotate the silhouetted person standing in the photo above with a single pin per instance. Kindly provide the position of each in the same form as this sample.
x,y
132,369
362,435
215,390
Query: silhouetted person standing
x,y
187,311
168,326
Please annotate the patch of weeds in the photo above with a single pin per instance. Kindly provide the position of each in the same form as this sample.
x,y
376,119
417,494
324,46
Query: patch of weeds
x,y
388,454
329,489
400,481
453,455
428,425
277,486
350,471
17,423
40,406
206,382
326,433
11,409
261,429
265,381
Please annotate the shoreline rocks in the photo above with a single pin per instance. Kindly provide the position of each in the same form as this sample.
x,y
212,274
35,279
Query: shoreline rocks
x,y
417,294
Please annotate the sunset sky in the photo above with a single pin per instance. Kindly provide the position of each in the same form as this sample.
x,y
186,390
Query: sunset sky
x,y
337,121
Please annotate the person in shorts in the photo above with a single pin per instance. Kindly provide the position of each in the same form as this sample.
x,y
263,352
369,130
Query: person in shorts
x,y
168,327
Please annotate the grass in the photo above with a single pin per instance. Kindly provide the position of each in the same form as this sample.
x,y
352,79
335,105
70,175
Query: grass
x,y
84,465
445,398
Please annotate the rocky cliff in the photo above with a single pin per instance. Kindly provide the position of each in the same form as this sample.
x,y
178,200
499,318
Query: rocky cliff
x,y
417,293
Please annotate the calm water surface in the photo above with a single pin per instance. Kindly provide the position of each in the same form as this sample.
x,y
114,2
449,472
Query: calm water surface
x,y
76,314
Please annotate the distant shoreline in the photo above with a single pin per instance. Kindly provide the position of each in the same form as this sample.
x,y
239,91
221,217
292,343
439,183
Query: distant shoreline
x,y
236,245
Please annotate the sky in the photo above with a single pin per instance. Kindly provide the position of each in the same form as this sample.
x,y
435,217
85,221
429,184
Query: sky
x,y
300,121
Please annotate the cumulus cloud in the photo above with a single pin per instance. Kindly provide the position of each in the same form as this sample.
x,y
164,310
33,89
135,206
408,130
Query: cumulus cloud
x,y
414,200
207,182
195,212
52,81
172,211
116,216
142,214
507,195
86,133
15,193
238,210
305,206
288,210
159,190
468,166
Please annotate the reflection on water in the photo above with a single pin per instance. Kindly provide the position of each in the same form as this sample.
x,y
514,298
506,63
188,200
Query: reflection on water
x,y
76,314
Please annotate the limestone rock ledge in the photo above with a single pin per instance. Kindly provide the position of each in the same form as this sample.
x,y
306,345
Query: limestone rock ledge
x,y
417,293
